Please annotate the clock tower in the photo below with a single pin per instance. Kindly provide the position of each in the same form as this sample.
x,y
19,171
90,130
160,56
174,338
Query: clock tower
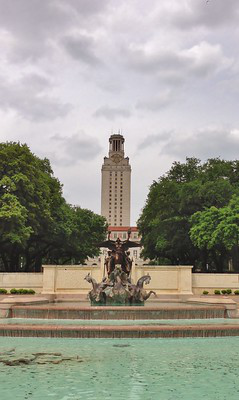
x,y
115,184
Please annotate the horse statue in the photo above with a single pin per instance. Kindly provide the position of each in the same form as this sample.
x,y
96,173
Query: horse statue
x,y
138,293
96,295
118,291
117,287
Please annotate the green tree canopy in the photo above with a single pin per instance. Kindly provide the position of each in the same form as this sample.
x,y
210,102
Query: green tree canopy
x,y
217,230
166,219
36,223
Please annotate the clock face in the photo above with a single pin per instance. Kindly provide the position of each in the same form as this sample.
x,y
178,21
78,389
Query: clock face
x,y
116,158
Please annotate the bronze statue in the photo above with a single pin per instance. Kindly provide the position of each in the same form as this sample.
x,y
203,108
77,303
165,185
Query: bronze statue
x,y
118,254
118,287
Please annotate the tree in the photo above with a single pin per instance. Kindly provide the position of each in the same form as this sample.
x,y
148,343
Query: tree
x,y
187,188
76,236
35,220
217,229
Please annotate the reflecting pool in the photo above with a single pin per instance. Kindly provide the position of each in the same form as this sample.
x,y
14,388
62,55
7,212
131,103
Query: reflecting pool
x,y
144,369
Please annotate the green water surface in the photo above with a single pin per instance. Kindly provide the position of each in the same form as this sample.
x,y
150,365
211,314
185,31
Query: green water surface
x,y
144,369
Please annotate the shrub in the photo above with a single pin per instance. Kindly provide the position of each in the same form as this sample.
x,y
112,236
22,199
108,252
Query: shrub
x,y
3,291
236,292
22,291
229,291
205,292
224,291
31,291
217,291
13,291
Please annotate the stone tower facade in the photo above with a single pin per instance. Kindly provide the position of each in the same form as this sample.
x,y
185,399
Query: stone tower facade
x,y
116,184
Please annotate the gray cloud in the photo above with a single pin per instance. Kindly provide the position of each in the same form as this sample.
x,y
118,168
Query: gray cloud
x,y
201,60
163,100
211,141
81,48
75,148
211,14
151,140
86,7
112,113
35,25
28,97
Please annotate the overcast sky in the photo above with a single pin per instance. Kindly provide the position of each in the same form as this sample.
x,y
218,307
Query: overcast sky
x,y
164,72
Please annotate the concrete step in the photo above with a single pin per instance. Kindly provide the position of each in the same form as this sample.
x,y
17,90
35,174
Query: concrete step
x,y
121,312
136,331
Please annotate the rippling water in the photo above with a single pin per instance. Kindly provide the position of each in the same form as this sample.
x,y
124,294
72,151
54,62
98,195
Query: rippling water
x,y
155,369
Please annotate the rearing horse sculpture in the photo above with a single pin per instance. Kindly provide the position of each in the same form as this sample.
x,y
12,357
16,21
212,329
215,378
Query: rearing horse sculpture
x,y
138,293
118,288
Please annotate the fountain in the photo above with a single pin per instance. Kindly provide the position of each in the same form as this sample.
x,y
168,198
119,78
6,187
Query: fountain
x,y
117,287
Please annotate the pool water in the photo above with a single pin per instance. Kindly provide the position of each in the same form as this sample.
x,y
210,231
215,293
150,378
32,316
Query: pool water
x,y
129,369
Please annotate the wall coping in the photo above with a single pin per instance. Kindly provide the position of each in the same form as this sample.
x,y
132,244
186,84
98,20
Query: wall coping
x,y
166,267
72,266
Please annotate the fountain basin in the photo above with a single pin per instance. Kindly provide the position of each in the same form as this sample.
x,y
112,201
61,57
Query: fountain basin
x,y
181,311
122,369
161,330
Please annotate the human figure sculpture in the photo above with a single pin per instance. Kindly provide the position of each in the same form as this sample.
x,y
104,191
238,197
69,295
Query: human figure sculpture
x,y
107,262
119,254
117,287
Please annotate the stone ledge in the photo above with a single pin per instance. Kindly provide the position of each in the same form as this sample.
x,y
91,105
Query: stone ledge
x,y
119,331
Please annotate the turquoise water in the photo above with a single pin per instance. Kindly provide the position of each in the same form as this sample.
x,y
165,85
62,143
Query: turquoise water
x,y
38,321
129,369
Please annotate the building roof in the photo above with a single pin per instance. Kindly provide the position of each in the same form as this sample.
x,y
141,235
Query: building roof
x,y
122,228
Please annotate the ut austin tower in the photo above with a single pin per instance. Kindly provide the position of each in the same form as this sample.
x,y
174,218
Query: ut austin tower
x,y
116,184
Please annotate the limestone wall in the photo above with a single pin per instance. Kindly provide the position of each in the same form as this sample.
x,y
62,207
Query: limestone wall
x,y
165,279
22,281
210,282
70,279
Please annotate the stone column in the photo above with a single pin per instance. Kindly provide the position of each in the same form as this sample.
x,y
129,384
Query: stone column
x,y
49,279
185,279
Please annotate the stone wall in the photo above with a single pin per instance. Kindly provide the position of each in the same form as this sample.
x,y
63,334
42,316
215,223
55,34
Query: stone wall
x,y
210,282
22,281
69,279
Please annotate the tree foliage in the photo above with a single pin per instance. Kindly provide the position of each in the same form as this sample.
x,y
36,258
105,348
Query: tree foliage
x,y
217,229
36,223
174,204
